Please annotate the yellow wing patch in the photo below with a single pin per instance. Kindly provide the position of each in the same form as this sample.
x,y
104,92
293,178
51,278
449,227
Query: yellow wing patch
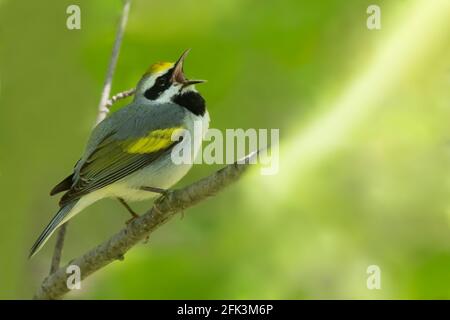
x,y
152,142
159,67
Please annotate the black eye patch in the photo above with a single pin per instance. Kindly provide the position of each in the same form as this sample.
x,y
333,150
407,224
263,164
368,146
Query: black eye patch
x,y
162,83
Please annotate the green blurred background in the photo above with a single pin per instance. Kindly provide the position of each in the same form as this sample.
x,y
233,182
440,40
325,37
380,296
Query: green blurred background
x,y
364,161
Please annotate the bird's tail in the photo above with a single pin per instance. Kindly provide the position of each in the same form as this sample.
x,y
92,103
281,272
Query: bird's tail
x,y
59,218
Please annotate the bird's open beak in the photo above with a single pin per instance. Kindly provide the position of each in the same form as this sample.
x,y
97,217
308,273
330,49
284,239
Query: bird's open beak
x,y
178,75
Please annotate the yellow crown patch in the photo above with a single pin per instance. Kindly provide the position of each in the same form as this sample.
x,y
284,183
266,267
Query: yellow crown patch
x,y
159,67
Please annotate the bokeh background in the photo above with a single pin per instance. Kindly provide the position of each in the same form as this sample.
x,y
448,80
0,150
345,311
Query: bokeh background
x,y
364,153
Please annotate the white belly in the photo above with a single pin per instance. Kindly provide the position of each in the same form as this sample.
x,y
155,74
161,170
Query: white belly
x,y
161,174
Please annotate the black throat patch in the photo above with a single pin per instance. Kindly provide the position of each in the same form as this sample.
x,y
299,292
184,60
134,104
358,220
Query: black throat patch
x,y
192,101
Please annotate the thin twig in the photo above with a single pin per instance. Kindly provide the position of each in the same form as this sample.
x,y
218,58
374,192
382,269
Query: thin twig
x,y
58,248
164,208
119,96
102,112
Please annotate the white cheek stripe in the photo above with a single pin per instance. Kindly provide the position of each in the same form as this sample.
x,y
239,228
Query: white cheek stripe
x,y
167,95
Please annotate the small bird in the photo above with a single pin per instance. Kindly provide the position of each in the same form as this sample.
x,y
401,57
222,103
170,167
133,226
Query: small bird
x,y
128,155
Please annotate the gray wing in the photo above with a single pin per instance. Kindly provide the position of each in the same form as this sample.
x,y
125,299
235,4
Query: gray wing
x,y
104,162
134,120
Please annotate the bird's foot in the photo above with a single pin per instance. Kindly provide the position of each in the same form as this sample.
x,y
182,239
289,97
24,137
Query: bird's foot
x,y
134,215
131,220
160,199
162,192
154,190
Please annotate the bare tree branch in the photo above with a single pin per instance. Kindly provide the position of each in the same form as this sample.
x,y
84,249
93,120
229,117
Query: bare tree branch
x,y
164,208
103,109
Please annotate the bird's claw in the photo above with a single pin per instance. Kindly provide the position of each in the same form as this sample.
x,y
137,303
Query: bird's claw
x,y
160,199
131,220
